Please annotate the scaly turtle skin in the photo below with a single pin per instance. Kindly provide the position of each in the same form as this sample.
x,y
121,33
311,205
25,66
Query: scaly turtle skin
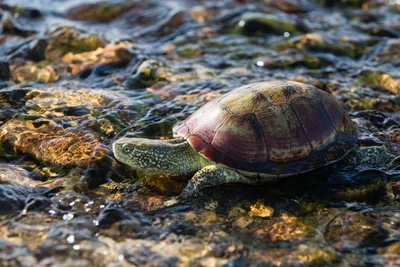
x,y
258,132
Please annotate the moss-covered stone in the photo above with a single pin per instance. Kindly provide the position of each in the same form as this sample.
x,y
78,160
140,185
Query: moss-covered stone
x,y
188,51
371,78
319,43
104,11
259,24
66,39
148,73
368,193
306,60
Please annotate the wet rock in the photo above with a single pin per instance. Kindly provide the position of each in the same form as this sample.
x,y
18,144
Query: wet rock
x,y
343,3
11,254
318,43
390,48
64,40
378,79
295,61
36,203
259,210
303,254
21,11
164,184
26,73
11,174
389,259
159,253
58,103
4,70
148,73
102,11
292,6
200,14
182,228
30,12
353,229
258,23
49,142
222,245
37,49
14,98
10,26
111,215
364,103
371,157
236,211
12,197
104,61
207,217
34,73
170,23
371,193
383,32
242,222
188,51
284,227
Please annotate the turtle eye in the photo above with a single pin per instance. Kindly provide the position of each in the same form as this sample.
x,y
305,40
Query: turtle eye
x,y
127,148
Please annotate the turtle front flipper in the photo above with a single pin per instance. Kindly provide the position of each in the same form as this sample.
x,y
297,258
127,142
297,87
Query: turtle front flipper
x,y
209,176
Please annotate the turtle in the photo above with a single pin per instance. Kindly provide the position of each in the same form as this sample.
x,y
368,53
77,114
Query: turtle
x,y
255,133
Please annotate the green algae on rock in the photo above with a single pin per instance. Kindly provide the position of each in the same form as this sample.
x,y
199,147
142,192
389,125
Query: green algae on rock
x,y
67,39
372,78
260,23
318,43
148,73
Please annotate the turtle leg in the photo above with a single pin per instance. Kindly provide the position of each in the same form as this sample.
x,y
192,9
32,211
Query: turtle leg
x,y
209,176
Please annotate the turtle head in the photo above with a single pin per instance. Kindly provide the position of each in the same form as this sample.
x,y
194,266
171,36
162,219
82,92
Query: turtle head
x,y
139,153
174,156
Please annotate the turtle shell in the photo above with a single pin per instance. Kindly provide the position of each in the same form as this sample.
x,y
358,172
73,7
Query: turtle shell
x,y
275,128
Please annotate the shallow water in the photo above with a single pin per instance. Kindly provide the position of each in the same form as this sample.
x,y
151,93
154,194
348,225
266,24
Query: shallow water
x,y
77,75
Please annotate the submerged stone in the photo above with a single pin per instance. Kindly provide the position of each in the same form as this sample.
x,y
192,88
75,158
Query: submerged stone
x,y
102,11
344,3
260,23
67,39
4,70
50,143
292,6
353,229
259,210
148,73
294,61
373,78
318,43
10,26
34,73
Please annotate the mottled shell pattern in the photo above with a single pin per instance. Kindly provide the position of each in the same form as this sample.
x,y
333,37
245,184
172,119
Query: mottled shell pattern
x,y
276,128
